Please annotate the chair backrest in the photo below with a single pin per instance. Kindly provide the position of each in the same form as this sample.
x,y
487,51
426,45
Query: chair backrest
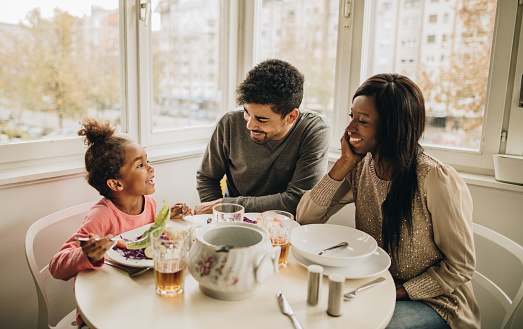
x,y
498,280
43,240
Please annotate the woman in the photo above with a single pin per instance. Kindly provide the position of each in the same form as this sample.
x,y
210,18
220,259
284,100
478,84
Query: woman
x,y
418,209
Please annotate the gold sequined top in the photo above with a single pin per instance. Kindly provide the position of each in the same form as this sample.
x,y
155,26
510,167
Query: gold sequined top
x,y
437,261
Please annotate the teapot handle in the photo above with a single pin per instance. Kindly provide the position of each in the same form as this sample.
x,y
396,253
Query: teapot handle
x,y
268,265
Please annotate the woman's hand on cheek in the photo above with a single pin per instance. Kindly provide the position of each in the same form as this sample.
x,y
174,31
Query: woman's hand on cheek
x,y
346,151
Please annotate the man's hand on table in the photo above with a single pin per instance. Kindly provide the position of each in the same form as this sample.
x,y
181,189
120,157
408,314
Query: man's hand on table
x,y
206,207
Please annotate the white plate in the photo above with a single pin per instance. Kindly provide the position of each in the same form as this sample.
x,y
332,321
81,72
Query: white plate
x,y
115,256
309,240
377,263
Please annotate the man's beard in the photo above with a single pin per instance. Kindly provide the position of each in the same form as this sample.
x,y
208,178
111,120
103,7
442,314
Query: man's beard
x,y
266,139
260,141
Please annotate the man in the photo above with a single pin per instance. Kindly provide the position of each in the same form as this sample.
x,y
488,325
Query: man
x,y
270,151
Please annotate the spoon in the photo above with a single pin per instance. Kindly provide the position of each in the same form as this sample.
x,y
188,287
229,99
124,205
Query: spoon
x,y
339,245
351,295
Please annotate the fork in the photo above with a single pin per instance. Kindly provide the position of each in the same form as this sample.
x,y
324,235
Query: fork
x,y
131,270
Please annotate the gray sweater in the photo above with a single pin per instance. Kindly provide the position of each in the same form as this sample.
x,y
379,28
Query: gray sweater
x,y
271,176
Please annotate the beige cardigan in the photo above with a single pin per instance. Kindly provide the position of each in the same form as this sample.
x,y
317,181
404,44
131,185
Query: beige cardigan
x,y
438,260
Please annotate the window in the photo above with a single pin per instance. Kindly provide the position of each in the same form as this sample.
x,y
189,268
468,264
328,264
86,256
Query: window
x,y
455,81
386,5
88,69
409,42
412,3
166,83
411,21
306,41
59,63
188,32
407,61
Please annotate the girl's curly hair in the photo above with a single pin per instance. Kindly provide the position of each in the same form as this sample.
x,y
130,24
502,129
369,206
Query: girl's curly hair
x,y
105,154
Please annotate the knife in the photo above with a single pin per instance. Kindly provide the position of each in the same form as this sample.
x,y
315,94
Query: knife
x,y
287,310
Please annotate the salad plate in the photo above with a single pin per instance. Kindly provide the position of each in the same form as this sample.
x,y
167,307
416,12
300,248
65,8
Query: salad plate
x,y
117,257
377,263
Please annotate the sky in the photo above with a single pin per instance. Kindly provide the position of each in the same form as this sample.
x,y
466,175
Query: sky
x,y
17,9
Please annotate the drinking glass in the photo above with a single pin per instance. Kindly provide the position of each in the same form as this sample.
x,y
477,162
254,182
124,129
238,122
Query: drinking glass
x,y
278,224
227,212
170,258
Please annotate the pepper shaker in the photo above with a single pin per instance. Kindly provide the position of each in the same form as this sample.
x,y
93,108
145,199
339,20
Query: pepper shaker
x,y
336,282
314,280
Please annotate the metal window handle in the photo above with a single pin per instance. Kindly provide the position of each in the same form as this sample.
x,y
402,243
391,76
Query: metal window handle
x,y
347,14
347,9
145,11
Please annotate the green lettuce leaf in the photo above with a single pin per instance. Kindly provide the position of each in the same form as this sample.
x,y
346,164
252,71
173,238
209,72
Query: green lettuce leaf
x,y
161,220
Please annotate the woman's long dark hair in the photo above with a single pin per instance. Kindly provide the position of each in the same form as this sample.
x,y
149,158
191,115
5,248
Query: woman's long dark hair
x,y
401,109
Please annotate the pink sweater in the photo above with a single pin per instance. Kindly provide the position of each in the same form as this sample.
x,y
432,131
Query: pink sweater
x,y
103,219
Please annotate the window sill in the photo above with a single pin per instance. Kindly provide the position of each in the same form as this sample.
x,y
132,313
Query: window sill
x,y
469,178
490,182
68,169
73,168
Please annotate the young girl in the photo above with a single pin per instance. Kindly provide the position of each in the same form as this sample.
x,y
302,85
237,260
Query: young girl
x,y
418,209
118,169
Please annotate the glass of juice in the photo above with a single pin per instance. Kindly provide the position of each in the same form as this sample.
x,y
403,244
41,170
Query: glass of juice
x,y
170,259
278,224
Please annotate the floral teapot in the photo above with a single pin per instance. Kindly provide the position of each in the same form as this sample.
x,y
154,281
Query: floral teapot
x,y
230,260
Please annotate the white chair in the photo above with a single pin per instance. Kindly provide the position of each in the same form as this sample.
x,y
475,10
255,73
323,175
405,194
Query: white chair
x,y
498,280
56,304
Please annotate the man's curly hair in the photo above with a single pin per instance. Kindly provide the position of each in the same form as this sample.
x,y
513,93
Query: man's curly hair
x,y
105,155
272,82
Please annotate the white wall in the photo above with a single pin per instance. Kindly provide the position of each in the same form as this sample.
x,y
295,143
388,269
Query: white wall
x,y
175,181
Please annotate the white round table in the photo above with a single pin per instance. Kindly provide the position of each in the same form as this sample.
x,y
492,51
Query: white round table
x,y
108,298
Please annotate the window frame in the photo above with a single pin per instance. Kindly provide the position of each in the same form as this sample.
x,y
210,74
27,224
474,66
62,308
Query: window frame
x,y
238,33
513,128
183,136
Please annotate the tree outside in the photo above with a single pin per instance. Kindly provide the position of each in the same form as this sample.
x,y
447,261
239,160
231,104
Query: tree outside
x,y
56,72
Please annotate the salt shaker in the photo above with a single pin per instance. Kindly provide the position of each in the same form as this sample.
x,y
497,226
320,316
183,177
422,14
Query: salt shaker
x,y
314,279
336,282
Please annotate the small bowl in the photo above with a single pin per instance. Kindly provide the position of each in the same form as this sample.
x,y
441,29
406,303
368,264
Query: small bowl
x,y
309,240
